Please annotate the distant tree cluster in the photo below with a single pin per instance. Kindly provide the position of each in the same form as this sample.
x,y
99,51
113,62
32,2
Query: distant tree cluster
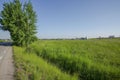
x,y
19,19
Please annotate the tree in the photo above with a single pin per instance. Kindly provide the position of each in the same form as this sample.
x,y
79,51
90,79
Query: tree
x,y
20,21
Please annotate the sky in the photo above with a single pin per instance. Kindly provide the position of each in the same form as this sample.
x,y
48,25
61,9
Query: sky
x,y
74,18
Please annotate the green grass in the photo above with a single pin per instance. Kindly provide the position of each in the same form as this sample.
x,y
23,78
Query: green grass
x,y
2,41
90,59
31,67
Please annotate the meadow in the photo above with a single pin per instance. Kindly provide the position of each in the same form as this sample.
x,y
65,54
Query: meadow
x,y
28,66
86,59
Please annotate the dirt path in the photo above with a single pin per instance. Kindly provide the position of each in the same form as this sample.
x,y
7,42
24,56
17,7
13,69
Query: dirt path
x,y
6,63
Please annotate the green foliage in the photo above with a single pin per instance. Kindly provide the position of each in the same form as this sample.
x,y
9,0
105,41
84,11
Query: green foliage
x,y
31,67
90,59
20,21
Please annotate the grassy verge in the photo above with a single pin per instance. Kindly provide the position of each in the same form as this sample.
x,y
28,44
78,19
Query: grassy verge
x,y
32,67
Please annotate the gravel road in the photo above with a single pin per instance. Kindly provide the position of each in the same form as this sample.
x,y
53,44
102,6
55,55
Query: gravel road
x,y
6,62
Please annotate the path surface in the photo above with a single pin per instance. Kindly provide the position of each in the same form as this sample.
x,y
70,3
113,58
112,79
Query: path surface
x,y
6,62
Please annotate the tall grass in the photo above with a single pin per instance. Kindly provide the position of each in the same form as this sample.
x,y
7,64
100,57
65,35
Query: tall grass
x,y
31,67
90,59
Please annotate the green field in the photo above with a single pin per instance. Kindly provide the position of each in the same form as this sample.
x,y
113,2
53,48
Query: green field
x,y
31,67
2,41
86,59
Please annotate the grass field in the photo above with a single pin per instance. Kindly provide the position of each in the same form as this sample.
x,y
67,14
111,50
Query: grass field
x,y
31,67
2,41
87,59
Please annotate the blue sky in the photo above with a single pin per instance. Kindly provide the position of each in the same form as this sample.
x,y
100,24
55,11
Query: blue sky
x,y
75,18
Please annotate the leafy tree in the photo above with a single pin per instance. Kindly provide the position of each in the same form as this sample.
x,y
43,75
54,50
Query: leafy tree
x,y
20,21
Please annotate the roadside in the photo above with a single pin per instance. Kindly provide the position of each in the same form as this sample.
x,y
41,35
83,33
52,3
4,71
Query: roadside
x,y
6,63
